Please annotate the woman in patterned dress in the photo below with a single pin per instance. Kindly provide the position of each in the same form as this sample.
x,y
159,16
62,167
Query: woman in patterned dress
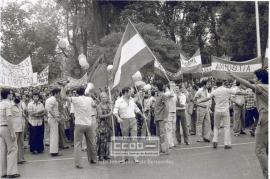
x,y
104,128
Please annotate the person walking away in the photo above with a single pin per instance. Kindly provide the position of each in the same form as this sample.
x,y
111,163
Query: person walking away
x,y
51,106
85,125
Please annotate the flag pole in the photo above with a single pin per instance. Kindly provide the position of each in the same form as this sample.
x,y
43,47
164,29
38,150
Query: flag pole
x,y
258,30
146,46
110,97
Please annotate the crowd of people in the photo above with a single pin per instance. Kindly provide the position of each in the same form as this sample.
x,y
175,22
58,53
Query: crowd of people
x,y
79,118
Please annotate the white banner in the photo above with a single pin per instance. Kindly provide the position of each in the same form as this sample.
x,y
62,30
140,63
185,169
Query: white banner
x,y
43,77
207,69
194,61
192,65
16,76
248,68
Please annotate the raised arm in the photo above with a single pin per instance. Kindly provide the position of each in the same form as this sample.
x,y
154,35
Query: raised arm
x,y
243,81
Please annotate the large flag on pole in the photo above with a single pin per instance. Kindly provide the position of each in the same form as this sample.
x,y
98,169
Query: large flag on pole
x,y
131,55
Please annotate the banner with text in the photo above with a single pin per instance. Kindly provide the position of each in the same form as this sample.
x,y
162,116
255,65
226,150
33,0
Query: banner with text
x,y
245,69
16,76
192,65
42,78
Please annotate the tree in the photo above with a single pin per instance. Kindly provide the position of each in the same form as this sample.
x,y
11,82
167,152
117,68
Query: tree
x,y
28,32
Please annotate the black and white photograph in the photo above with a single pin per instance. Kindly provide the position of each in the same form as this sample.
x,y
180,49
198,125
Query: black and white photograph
x,y
125,89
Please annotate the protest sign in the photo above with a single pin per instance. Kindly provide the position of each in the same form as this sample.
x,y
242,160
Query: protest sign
x,y
221,67
16,76
43,76
192,65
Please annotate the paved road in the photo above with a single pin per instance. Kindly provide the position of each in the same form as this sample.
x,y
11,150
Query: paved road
x,y
196,161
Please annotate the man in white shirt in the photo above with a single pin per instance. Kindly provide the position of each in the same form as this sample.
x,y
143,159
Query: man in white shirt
x,y
124,110
36,128
181,104
85,125
51,106
221,96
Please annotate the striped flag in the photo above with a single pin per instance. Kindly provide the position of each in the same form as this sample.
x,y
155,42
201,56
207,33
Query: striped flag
x,y
131,55
159,69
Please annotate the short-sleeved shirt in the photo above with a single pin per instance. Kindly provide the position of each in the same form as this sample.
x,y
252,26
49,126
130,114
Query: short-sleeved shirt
x,y
84,112
222,96
201,94
51,105
5,111
33,108
125,109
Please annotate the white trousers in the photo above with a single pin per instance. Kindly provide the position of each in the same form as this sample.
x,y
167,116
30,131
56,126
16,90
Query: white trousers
x,y
170,129
225,117
54,135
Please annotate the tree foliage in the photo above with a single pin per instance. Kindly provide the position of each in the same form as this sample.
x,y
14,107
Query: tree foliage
x,y
95,27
